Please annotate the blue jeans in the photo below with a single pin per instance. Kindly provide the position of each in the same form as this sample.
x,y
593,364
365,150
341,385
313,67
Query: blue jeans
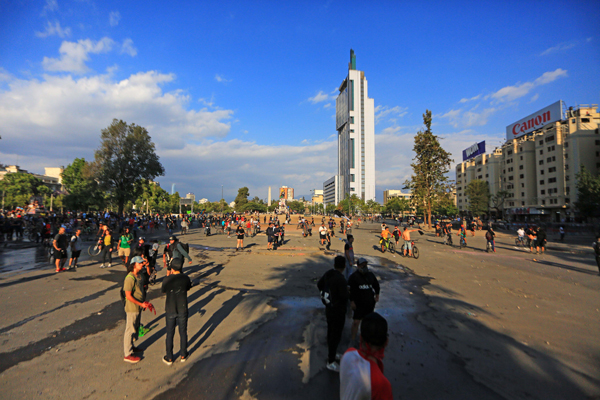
x,y
181,321
492,242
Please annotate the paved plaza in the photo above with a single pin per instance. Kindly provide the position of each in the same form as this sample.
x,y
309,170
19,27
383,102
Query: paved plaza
x,y
463,323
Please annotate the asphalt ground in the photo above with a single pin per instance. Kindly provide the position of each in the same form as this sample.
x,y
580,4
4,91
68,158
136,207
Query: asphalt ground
x,y
463,323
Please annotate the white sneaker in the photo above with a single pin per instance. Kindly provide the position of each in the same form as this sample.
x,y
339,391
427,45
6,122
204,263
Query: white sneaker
x,y
334,366
102,266
108,266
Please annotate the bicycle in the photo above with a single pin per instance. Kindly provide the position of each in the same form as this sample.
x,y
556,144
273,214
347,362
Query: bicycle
x,y
520,241
448,240
415,250
463,242
387,243
95,248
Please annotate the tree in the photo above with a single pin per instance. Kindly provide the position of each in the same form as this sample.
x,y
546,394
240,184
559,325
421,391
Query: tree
x,y
83,191
19,187
430,166
350,204
478,192
588,193
297,206
372,206
253,206
330,208
126,156
397,205
242,198
497,201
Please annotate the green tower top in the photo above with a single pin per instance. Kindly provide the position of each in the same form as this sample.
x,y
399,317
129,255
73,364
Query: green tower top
x,y
352,64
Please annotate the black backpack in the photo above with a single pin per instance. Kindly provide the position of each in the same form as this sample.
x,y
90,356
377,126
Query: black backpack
x,y
488,235
186,247
122,292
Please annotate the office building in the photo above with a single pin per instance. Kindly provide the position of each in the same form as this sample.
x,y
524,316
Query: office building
x,y
355,125
330,192
388,194
286,193
537,170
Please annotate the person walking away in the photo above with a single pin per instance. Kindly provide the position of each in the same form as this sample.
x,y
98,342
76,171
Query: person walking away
x,y
334,295
176,287
240,238
349,256
361,371
531,235
135,302
540,242
124,246
270,232
489,237
173,254
76,247
60,244
561,230
184,226
596,247
364,293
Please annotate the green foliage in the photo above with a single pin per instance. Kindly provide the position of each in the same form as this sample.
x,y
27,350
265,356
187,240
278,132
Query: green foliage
x,y
297,206
397,205
588,193
19,187
125,158
242,198
83,191
351,204
330,208
253,206
478,192
497,201
372,207
431,164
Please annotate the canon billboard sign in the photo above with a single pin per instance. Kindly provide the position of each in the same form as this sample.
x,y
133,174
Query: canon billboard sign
x,y
552,113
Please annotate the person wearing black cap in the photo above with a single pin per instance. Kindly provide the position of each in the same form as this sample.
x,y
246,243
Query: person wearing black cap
x,y
364,293
361,371
334,294
174,253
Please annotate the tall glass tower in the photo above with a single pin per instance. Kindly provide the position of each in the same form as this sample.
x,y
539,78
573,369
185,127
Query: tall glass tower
x,y
355,124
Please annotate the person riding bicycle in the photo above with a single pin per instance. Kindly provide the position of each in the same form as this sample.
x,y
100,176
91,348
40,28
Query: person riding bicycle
x,y
407,246
386,235
489,237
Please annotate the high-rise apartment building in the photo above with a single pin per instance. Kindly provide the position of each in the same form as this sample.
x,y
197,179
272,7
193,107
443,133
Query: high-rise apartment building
x,y
537,171
355,124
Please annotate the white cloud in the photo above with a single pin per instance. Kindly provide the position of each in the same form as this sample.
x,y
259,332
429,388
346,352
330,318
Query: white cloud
x,y
54,29
464,100
320,97
510,93
128,48
51,5
221,79
73,56
114,18
383,111
534,98
558,48
468,118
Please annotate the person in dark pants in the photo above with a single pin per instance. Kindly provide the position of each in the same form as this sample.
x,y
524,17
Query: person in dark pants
x,y
107,248
176,287
364,294
334,294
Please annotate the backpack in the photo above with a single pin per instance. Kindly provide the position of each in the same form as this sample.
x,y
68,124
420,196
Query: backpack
x,y
488,235
122,292
186,247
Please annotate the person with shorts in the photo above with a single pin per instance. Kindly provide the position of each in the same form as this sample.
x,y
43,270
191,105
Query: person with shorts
x,y
76,247
364,293
540,240
124,246
240,238
60,244
322,233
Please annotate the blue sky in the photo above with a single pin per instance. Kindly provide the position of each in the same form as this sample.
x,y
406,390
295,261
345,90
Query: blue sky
x,y
243,93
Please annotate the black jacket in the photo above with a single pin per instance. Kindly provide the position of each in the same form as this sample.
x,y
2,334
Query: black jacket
x,y
338,289
363,288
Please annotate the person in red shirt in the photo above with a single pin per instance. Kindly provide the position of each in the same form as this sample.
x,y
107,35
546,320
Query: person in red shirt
x,y
361,371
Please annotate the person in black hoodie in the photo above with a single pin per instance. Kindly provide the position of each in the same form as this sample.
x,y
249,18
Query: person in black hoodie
x,y
176,287
334,294
364,293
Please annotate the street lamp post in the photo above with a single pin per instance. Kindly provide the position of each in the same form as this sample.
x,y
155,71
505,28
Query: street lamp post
x,y
222,200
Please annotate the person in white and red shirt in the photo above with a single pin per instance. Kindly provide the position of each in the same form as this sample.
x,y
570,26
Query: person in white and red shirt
x,y
361,371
